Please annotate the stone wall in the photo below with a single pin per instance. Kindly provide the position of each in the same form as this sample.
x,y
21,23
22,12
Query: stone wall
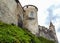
x,y
9,11
20,15
12,12
31,23
47,33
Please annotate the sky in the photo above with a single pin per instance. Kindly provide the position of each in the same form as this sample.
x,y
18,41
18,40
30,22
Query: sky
x,y
48,10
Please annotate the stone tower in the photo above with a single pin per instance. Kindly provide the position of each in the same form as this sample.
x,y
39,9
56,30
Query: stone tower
x,y
30,18
52,29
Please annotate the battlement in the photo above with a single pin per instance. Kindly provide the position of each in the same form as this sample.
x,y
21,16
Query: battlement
x,y
30,6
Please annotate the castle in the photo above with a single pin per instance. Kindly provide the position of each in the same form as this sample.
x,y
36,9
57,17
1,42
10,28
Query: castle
x,y
12,12
48,33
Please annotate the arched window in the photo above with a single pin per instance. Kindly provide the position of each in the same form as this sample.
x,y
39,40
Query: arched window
x,y
31,15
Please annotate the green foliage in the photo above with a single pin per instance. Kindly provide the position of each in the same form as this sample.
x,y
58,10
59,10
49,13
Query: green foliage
x,y
14,34
43,40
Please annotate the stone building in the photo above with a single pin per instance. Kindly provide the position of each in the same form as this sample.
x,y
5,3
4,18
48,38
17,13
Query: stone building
x,y
30,18
48,33
12,12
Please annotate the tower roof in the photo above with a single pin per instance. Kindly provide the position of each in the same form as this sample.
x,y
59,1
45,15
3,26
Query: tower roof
x,y
51,24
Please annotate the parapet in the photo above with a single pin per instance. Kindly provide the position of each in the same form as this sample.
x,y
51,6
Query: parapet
x,y
27,6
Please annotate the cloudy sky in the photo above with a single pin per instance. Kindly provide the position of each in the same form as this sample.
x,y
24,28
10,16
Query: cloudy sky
x,y
47,10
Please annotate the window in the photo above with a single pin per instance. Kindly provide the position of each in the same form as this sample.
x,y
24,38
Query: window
x,y
31,15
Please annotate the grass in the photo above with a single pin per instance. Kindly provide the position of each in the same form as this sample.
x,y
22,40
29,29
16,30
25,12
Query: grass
x,y
13,34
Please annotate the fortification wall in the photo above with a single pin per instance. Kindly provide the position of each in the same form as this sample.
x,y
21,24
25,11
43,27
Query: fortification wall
x,y
47,33
30,20
9,11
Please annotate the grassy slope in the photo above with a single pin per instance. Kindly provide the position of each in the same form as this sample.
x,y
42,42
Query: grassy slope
x,y
14,34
